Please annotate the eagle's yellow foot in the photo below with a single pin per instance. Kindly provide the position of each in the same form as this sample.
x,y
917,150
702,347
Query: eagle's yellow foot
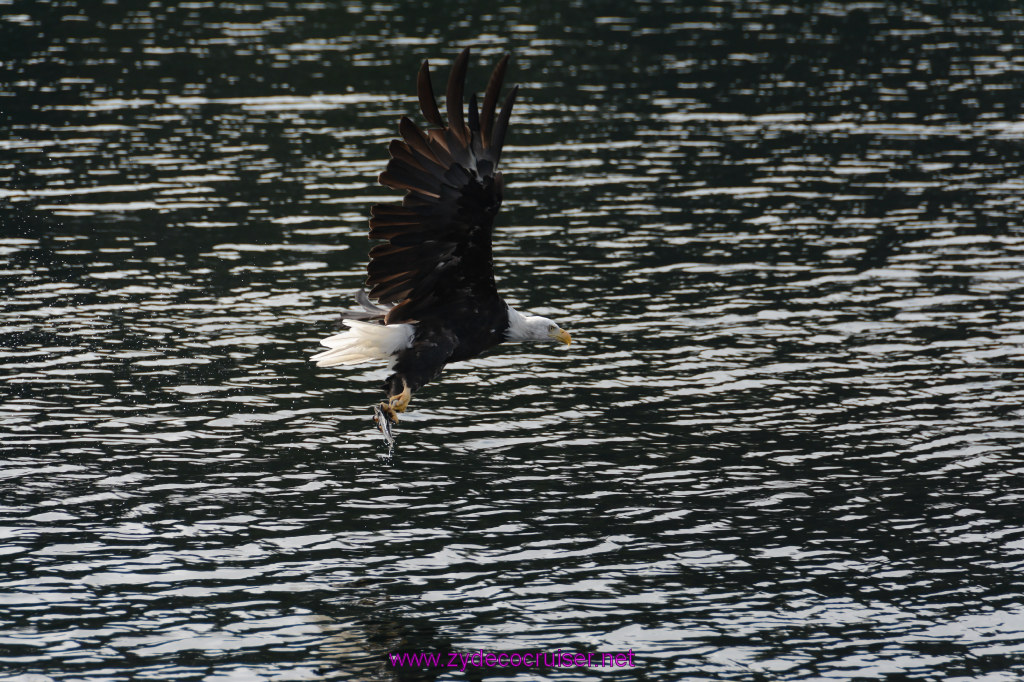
x,y
395,404
399,402
389,411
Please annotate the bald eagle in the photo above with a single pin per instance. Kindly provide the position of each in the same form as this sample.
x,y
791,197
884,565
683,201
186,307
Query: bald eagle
x,y
432,298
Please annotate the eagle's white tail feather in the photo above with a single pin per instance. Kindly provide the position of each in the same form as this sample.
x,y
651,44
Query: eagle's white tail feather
x,y
364,342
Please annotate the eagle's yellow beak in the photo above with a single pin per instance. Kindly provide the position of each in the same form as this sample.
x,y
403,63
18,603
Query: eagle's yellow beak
x,y
562,335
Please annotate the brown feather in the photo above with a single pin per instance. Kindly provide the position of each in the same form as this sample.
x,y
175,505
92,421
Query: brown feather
x,y
398,172
453,98
474,113
498,136
382,210
425,90
378,279
440,147
392,292
392,221
416,140
381,250
400,151
390,178
491,100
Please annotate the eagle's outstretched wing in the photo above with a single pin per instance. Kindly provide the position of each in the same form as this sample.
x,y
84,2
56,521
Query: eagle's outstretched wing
x,y
438,250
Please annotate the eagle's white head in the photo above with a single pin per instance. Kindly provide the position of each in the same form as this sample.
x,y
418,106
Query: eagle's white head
x,y
533,328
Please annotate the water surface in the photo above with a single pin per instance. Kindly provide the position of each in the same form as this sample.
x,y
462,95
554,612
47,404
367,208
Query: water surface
x,y
785,444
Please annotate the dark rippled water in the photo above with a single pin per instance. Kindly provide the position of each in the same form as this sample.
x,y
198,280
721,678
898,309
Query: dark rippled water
x,y
787,445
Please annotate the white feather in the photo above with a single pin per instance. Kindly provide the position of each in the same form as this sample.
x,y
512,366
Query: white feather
x,y
364,342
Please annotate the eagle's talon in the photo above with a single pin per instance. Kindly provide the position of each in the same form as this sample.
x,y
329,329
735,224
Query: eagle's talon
x,y
398,403
389,411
